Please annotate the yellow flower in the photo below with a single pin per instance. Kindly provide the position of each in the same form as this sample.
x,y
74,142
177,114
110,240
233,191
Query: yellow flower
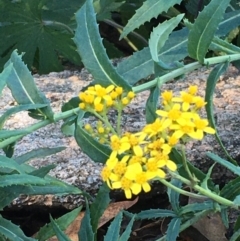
x,y
167,97
125,184
192,89
135,140
119,145
201,126
163,160
153,166
130,95
174,114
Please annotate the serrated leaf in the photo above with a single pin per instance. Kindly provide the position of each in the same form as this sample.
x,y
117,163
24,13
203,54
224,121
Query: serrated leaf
x,y
59,233
194,207
126,234
37,153
150,9
231,189
17,109
99,205
12,231
140,65
91,50
86,232
95,150
235,169
21,179
43,171
41,30
224,217
173,196
204,28
114,228
23,87
151,105
173,229
212,79
159,36
63,222
155,213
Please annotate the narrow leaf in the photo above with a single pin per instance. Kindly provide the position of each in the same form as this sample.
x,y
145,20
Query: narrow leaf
x,y
96,151
17,109
151,105
114,228
43,171
4,134
6,162
59,233
204,28
126,234
21,179
12,231
231,189
212,79
140,65
86,232
193,207
3,81
23,87
173,229
159,36
37,153
63,222
155,213
91,50
173,195
235,169
150,9
99,205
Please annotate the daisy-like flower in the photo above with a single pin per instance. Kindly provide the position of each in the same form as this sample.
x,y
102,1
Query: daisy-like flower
x,y
135,141
201,126
125,184
119,145
154,167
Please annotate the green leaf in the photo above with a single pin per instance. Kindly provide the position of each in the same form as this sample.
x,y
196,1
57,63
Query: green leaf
x,y
150,9
114,228
37,153
59,233
126,234
11,164
235,236
224,217
193,6
90,47
151,105
41,29
12,231
173,229
223,46
140,65
231,189
17,109
194,207
155,213
235,169
236,200
173,196
21,179
99,205
204,28
212,79
43,171
104,8
86,232
63,222
159,36
23,87
95,150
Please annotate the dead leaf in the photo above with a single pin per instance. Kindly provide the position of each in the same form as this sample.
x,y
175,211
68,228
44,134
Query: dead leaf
x,y
112,210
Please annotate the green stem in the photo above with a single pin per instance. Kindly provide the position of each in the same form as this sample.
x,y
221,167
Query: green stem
x,y
183,70
58,24
119,120
34,127
181,191
205,192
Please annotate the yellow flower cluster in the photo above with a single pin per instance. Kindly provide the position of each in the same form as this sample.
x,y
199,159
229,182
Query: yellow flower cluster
x,y
99,99
144,156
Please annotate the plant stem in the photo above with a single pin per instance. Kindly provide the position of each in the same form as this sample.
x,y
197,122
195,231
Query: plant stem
x,y
34,127
205,192
58,24
181,191
183,70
